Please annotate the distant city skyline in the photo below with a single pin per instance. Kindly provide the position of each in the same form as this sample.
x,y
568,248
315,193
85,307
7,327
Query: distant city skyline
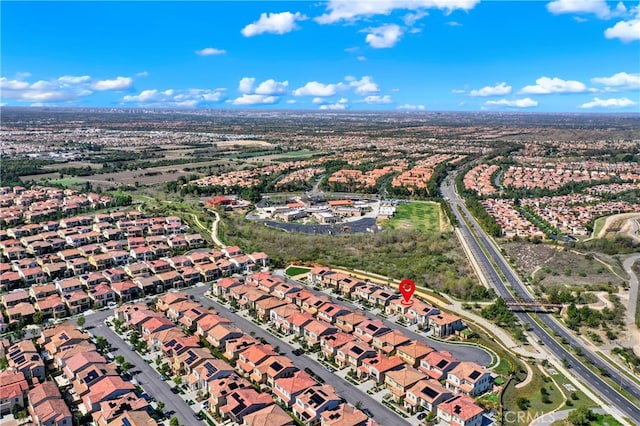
x,y
432,55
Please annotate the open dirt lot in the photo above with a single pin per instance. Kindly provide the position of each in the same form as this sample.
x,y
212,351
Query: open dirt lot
x,y
552,265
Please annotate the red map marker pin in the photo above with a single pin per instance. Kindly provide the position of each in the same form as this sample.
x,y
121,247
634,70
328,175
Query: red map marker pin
x,y
407,287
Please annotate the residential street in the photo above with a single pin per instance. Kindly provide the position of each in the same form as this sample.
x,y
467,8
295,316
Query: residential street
x,y
148,378
382,415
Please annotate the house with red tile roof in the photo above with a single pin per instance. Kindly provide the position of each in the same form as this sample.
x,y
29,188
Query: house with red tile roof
x,y
15,297
388,342
110,387
47,407
330,344
179,345
369,329
208,371
208,321
265,306
254,355
242,402
312,402
156,340
298,298
177,309
184,363
279,315
77,301
313,303
271,415
154,325
52,306
426,393
444,324
469,378
101,295
223,286
23,311
191,316
165,301
133,418
437,364
343,415
220,388
348,321
110,410
126,290
221,333
353,353
25,358
314,330
297,322
13,390
234,347
376,367
329,312
413,352
286,389
460,410
400,381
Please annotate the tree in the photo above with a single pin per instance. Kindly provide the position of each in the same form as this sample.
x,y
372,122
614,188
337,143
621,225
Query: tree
x,y
581,417
81,321
119,359
125,367
174,421
101,343
38,317
160,407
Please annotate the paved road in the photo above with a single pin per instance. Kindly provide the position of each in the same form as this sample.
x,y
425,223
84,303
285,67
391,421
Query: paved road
x,y
591,379
633,294
148,378
550,418
460,351
352,394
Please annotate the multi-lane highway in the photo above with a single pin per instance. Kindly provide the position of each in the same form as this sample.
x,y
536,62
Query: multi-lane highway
x,y
518,289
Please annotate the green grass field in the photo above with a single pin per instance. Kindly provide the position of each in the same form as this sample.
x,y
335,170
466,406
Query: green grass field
x,y
69,181
421,216
597,226
292,271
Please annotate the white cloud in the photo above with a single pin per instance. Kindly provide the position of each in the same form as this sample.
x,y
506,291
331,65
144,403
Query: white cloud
x,y
364,86
142,74
119,83
498,90
271,87
598,7
210,51
63,89
319,101
619,81
246,99
72,79
411,18
188,98
384,36
412,107
274,23
546,85
246,85
375,99
314,88
458,91
340,105
350,10
609,103
516,103
454,24
626,31
292,101
361,58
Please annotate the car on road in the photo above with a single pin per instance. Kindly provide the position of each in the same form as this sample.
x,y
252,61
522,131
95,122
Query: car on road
x,y
198,416
422,416
367,412
298,352
330,369
175,390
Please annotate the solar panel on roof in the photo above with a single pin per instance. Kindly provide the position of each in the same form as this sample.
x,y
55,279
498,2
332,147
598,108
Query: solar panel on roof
x,y
276,366
442,363
475,374
357,350
19,360
178,346
430,392
170,343
192,357
317,399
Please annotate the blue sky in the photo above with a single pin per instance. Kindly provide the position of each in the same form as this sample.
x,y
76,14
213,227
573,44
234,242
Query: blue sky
x,y
453,55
